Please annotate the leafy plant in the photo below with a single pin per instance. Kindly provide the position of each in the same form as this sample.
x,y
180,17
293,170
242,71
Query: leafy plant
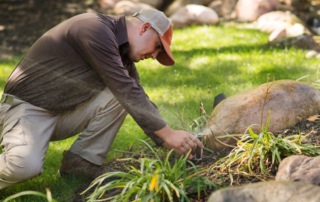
x,y
35,193
156,180
261,152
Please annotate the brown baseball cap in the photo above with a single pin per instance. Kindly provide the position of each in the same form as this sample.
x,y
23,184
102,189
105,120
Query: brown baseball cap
x,y
163,26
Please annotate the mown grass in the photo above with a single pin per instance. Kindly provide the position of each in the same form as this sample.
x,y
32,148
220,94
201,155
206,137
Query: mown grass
x,y
209,60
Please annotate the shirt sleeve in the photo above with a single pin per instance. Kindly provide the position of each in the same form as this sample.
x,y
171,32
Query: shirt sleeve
x,y
96,41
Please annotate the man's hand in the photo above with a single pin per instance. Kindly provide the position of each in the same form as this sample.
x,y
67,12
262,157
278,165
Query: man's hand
x,y
179,140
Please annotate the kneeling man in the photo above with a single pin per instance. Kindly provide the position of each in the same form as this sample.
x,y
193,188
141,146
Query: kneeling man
x,y
80,76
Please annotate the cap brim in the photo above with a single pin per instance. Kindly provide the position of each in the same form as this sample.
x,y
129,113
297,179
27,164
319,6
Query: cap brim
x,y
165,57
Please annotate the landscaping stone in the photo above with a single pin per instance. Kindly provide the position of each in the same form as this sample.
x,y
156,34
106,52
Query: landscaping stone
x,y
268,192
311,54
300,168
288,101
227,7
154,3
129,8
277,20
215,5
304,41
107,3
208,2
296,30
278,33
194,14
250,10
177,4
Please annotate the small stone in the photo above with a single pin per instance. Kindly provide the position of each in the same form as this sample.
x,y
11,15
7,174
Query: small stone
x,y
194,14
311,54
215,5
277,34
250,10
296,30
129,8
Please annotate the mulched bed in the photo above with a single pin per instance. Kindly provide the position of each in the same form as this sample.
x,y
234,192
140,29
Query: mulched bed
x,y
208,159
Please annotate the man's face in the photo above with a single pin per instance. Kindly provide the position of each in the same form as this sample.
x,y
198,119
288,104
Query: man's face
x,y
146,45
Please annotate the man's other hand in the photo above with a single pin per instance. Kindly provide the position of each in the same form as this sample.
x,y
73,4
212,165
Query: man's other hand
x,y
181,141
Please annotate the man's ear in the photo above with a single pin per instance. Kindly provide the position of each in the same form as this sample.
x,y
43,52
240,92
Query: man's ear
x,y
144,28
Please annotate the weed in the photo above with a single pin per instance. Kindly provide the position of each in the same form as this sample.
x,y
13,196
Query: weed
x,y
261,152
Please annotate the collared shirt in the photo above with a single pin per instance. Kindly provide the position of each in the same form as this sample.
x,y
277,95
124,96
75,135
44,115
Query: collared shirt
x,y
77,59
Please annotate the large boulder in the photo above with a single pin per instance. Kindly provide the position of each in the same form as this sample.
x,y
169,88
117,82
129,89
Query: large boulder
x,y
154,3
129,8
177,4
227,7
250,10
194,14
277,20
303,41
207,2
216,5
300,168
268,192
288,101
107,3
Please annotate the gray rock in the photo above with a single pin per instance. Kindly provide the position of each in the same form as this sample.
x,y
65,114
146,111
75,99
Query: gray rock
x,y
208,2
227,7
296,30
303,41
215,5
278,33
276,20
289,101
250,10
194,14
177,4
268,192
154,3
107,3
311,54
129,8
300,168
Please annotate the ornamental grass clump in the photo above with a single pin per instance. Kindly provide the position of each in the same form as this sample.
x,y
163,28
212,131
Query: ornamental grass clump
x,y
257,154
156,180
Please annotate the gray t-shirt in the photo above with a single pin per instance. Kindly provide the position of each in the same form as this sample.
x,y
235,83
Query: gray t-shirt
x,y
77,59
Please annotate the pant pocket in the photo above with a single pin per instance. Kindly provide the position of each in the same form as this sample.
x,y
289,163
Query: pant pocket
x,y
12,135
3,110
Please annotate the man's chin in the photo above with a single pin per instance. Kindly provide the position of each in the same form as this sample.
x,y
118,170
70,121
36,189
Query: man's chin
x,y
134,59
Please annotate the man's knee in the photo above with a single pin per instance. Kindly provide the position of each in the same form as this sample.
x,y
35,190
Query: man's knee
x,y
17,168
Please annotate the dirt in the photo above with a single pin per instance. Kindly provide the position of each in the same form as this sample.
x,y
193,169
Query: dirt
x,y
209,158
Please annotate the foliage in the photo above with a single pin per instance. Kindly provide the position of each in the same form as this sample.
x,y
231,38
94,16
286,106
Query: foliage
x,y
155,181
209,60
262,151
35,193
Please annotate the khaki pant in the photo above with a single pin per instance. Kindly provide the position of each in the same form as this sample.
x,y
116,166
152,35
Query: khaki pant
x,y
27,130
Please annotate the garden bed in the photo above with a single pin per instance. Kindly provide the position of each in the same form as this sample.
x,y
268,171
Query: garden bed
x,y
304,126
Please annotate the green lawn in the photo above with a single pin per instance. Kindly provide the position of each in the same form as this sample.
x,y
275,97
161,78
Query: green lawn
x,y
209,60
